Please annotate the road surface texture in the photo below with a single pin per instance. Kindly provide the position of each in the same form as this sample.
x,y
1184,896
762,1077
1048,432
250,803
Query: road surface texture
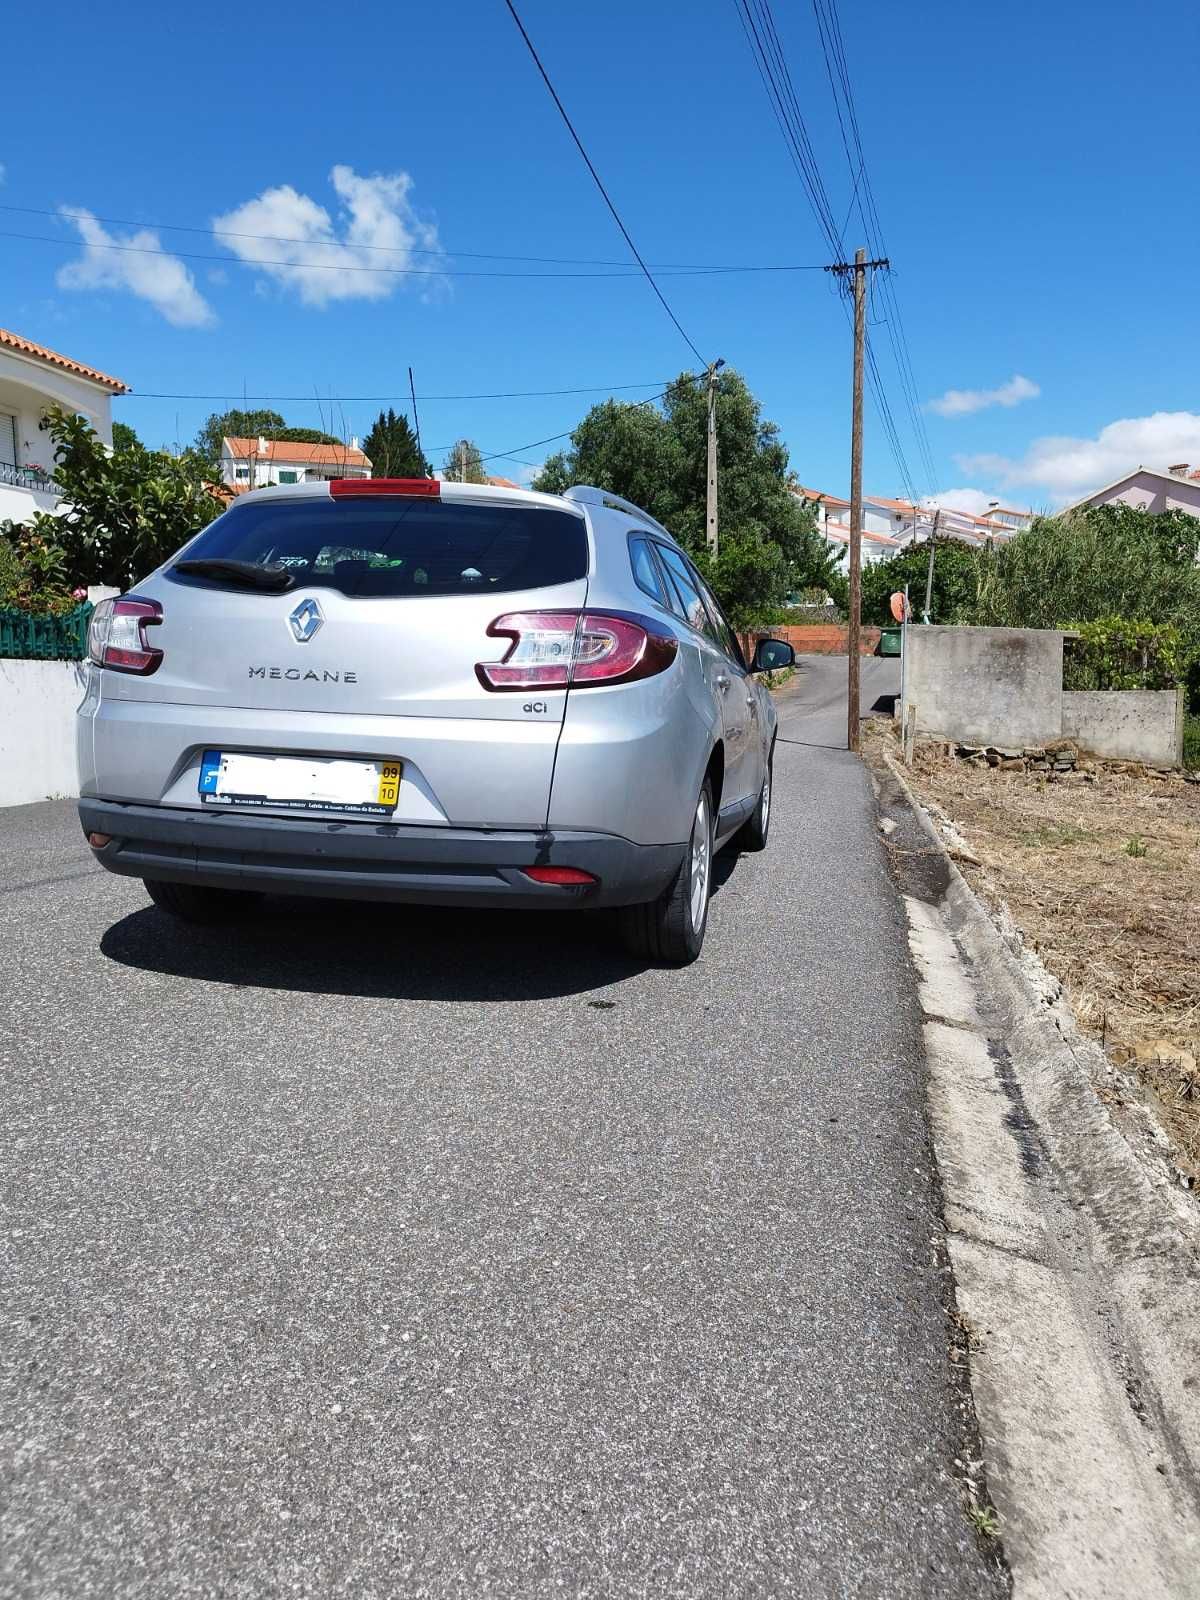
x,y
368,1252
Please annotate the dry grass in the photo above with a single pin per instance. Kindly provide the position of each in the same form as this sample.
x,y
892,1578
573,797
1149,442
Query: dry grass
x,y
1101,872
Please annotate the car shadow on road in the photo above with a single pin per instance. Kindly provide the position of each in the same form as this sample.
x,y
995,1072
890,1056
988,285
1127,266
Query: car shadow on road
x,y
400,952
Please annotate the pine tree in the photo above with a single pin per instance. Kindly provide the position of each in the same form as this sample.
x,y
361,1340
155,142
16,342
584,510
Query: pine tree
x,y
391,448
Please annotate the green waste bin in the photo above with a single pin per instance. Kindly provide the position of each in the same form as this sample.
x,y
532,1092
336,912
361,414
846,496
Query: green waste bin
x,y
889,641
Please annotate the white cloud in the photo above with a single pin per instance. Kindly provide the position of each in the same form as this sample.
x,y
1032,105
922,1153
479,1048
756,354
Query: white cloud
x,y
302,247
1069,467
962,402
143,268
974,501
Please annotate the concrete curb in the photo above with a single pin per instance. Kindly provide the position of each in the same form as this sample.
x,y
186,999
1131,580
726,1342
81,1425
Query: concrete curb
x,y
1079,1275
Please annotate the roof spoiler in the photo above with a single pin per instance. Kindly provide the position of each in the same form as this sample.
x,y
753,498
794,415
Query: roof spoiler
x,y
586,495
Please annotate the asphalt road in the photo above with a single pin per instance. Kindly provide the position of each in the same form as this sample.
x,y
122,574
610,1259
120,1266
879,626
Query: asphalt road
x,y
374,1253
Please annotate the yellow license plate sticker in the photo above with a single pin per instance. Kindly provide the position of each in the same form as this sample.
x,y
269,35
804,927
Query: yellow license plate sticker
x,y
389,783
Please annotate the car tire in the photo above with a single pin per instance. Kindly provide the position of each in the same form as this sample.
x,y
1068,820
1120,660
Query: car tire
x,y
670,930
193,902
754,834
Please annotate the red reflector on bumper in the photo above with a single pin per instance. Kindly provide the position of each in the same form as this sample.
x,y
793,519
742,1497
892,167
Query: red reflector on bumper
x,y
570,877
99,840
341,488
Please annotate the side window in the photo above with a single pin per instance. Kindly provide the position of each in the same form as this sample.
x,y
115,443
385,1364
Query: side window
x,y
645,571
725,633
685,586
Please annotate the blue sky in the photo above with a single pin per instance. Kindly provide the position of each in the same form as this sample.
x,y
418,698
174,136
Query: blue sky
x,y
1033,167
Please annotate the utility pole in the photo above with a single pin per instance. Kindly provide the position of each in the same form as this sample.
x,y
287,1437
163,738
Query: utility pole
x,y
412,389
860,267
937,517
711,501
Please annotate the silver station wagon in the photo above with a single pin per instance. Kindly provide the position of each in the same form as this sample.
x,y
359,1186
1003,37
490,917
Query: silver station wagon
x,y
406,690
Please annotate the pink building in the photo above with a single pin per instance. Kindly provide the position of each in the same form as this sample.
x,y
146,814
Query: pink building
x,y
1151,489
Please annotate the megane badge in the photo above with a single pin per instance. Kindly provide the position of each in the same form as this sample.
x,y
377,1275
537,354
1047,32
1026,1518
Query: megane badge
x,y
305,620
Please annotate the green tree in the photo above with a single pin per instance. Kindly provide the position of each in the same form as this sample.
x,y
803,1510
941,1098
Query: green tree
x,y
391,447
955,581
464,464
303,436
1088,566
234,425
124,437
769,543
121,514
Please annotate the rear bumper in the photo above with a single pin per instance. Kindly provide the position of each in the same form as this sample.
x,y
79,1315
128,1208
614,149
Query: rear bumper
x,y
373,861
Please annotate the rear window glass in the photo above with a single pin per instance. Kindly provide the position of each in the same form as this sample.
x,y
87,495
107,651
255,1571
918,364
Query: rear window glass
x,y
389,547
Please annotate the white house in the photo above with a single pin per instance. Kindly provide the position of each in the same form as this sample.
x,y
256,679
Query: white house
x,y
889,525
253,463
32,379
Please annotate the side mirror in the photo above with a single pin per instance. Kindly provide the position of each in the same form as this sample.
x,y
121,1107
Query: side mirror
x,y
770,655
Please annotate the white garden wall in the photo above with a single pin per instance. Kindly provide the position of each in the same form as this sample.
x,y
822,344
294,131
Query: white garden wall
x,y
37,729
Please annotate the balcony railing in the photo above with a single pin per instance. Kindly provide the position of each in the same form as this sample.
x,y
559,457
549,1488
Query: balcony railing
x,y
27,478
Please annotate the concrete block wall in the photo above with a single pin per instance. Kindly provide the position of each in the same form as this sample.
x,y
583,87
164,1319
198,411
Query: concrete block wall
x,y
1127,724
986,686
37,729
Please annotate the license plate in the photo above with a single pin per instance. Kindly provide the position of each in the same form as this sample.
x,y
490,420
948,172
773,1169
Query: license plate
x,y
299,783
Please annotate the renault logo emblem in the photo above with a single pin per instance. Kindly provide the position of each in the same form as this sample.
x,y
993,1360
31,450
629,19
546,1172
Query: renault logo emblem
x,y
305,620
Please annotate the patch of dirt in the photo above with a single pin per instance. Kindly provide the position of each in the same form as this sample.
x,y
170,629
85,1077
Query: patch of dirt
x,y
1100,870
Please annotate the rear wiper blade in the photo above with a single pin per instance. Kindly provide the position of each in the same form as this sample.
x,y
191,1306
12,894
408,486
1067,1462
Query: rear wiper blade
x,y
247,573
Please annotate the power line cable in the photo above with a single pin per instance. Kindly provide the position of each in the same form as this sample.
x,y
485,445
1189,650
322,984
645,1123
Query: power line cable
x,y
396,272
834,52
383,399
386,249
511,455
794,136
616,215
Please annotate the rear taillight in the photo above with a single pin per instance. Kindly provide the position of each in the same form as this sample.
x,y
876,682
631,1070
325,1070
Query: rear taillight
x,y
117,635
345,488
576,649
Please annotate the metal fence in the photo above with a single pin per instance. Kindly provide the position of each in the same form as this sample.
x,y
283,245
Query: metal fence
x,y
29,638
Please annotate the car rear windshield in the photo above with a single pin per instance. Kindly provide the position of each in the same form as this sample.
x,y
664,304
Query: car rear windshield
x,y
389,547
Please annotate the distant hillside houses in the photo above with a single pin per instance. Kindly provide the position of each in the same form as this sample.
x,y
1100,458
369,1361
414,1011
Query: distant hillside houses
x,y
889,525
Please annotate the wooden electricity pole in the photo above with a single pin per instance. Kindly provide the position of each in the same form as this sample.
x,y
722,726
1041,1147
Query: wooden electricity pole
x,y
937,517
710,521
860,267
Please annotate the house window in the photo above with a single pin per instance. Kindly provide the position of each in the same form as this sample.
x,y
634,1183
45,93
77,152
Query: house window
x,y
8,439
288,477
242,472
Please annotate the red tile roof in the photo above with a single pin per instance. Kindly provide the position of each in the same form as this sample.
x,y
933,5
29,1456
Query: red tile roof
x,y
341,455
503,483
16,341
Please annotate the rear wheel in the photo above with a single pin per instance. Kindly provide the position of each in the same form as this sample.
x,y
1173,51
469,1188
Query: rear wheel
x,y
671,929
754,834
193,902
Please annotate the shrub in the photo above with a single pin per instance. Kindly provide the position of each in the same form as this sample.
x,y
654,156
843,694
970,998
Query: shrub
x,y
1115,653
